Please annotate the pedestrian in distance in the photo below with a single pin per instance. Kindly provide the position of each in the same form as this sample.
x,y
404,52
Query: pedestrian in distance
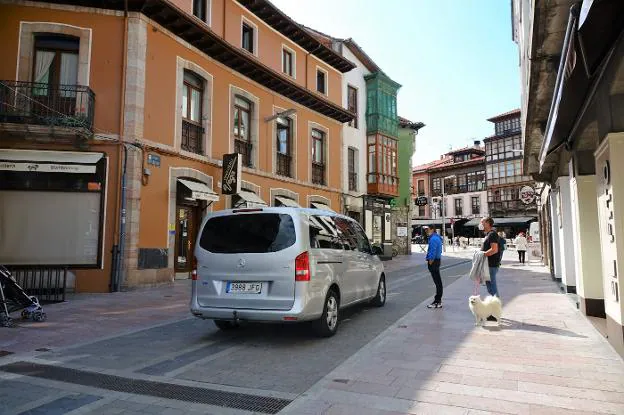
x,y
521,245
434,256
491,245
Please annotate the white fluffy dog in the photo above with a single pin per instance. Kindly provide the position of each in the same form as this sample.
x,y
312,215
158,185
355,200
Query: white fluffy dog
x,y
482,309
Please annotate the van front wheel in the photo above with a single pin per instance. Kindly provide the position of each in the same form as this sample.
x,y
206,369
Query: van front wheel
x,y
225,324
327,325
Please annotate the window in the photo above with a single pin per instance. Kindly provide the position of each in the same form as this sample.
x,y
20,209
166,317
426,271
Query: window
x,y
383,160
321,81
421,211
324,234
283,145
363,245
318,157
476,205
351,164
352,104
436,185
288,62
192,98
200,10
56,63
248,38
242,129
256,233
421,187
459,207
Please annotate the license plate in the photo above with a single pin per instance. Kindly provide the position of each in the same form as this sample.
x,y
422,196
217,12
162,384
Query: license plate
x,y
244,287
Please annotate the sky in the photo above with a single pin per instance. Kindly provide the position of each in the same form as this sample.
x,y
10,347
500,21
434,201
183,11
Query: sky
x,y
455,59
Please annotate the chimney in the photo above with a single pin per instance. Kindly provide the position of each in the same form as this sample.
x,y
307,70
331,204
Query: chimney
x,y
477,143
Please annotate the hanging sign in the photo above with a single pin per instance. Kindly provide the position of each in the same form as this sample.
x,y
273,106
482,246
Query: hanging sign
x,y
422,201
527,195
231,176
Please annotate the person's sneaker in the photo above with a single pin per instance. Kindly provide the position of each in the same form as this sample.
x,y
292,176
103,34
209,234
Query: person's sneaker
x,y
435,305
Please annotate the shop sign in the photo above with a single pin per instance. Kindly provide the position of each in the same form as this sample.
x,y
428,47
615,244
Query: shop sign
x,y
231,174
47,167
527,195
422,201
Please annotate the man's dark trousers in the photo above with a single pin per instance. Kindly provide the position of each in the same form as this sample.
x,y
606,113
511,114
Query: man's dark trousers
x,y
434,269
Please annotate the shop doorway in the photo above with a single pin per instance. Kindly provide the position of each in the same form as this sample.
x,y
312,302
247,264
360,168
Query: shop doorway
x,y
186,230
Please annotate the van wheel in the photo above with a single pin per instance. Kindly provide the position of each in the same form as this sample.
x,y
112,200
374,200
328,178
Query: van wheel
x,y
225,324
380,298
327,325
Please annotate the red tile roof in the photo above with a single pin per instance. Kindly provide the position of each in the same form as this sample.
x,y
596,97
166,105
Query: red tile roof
x,y
507,114
432,164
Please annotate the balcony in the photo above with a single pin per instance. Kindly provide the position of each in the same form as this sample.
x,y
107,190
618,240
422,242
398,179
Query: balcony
x,y
318,174
283,165
353,181
383,185
243,148
58,109
192,137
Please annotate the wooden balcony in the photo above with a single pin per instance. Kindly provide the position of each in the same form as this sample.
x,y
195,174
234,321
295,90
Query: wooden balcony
x,y
383,185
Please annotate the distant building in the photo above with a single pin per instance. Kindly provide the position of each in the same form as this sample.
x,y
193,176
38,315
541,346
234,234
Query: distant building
x,y
511,195
462,173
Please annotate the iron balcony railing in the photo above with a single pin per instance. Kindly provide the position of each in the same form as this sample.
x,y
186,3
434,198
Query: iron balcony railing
x,y
192,137
243,148
69,106
283,165
318,174
353,181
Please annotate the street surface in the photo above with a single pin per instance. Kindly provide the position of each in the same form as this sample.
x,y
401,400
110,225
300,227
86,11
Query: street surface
x,y
279,361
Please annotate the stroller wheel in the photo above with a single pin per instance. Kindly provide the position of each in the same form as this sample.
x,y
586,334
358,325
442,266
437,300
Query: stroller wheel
x,y
5,321
39,316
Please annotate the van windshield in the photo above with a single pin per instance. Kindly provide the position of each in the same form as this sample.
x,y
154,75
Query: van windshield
x,y
256,233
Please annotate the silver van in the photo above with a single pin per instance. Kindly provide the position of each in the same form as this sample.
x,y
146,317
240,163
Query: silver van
x,y
283,265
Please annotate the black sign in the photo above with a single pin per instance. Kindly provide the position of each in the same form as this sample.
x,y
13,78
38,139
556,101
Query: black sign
x,y
231,176
422,201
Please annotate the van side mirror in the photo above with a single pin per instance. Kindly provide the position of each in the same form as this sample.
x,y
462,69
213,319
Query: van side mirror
x,y
376,250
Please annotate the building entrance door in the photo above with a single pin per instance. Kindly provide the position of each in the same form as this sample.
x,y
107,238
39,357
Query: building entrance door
x,y
186,232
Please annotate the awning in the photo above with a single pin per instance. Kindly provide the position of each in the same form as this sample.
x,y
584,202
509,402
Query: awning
x,y
502,221
49,161
429,222
286,201
251,199
199,191
323,206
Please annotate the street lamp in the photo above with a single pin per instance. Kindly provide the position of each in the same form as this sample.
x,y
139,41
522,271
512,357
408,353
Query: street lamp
x,y
452,176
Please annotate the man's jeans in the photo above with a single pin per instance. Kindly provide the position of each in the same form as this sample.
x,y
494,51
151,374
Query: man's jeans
x,y
491,284
434,269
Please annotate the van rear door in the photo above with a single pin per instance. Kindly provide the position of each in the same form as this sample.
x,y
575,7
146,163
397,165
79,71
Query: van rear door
x,y
247,261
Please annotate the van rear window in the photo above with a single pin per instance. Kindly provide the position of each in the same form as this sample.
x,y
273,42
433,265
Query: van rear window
x,y
256,233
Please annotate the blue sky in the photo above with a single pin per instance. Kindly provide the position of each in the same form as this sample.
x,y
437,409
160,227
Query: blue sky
x,y
455,59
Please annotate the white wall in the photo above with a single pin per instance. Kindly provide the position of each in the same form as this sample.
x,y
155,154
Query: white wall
x,y
568,276
351,136
554,232
467,204
587,250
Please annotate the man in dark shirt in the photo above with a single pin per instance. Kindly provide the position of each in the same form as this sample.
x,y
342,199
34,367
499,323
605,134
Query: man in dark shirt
x,y
491,248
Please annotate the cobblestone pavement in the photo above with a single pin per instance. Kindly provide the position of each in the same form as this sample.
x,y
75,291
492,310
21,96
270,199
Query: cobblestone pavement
x,y
146,350
546,358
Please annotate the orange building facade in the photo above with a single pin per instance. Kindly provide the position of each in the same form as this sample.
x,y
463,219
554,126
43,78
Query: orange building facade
x,y
158,93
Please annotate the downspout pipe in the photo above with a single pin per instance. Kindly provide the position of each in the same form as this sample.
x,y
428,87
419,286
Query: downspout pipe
x,y
122,223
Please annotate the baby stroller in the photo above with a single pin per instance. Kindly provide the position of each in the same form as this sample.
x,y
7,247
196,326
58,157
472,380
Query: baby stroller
x,y
14,298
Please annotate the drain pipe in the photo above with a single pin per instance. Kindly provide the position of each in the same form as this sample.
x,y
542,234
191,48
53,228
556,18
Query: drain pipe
x,y
122,225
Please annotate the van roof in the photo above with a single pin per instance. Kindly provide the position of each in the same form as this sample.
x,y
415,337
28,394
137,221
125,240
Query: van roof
x,y
273,209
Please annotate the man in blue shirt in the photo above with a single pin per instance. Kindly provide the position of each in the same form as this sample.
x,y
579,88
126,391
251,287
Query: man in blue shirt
x,y
434,255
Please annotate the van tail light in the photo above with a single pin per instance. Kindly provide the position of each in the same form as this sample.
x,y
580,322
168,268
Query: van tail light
x,y
302,267
194,271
